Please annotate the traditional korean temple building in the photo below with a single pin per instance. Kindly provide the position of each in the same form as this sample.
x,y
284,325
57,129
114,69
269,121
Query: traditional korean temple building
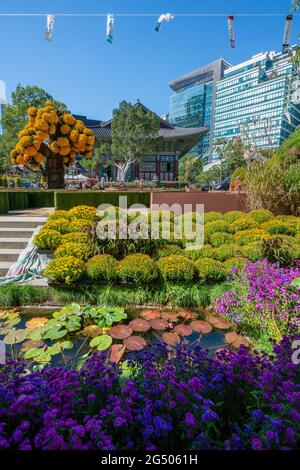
x,y
172,143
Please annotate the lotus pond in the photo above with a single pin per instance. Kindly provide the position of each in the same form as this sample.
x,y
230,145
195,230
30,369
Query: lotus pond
x,y
67,337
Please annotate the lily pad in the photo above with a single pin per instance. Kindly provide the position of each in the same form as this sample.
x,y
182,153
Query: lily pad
x,y
187,314
117,351
201,326
37,333
231,337
92,331
170,316
66,345
172,339
222,324
36,322
55,333
159,324
120,332
101,342
150,314
134,343
15,336
30,344
33,353
241,340
183,330
138,324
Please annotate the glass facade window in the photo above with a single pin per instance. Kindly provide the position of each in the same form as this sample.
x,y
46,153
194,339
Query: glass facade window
x,y
252,101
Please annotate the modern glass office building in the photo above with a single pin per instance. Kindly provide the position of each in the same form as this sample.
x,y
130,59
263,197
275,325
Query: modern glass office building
x,y
257,100
192,105
2,101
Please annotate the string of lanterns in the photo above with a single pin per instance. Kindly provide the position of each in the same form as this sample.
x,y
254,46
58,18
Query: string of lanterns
x,y
161,18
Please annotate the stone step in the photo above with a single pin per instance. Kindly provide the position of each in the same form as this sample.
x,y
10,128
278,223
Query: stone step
x,y
11,254
4,267
13,243
21,222
13,232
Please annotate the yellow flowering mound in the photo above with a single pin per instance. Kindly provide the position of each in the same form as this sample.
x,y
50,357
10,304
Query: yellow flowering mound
x,y
66,269
78,250
56,129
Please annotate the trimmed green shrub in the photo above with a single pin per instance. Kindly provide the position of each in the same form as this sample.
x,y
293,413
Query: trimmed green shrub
x,y
212,216
77,250
43,198
68,199
252,251
47,239
176,268
4,202
137,268
59,225
225,252
216,226
252,235
210,270
277,226
261,215
232,216
221,238
244,223
168,250
206,252
235,262
18,200
67,269
102,268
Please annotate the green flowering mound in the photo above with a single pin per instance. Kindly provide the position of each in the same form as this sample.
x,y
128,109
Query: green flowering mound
x,y
221,238
212,216
47,239
102,268
280,226
215,226
235,262
252,251
137,268
244,223
225,252
168,250
261,215
210,270
77,250
67,270
252,235
59,225
59,214
232,216
176,268
206,252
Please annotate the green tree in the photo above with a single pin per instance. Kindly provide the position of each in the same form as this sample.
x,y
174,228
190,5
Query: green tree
x,y
15,116
134,133
190,168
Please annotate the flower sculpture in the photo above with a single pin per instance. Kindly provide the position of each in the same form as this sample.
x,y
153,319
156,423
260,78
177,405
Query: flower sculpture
x,y
50,140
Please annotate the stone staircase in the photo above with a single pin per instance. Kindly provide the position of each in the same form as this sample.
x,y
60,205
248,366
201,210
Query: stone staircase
x,y
15,231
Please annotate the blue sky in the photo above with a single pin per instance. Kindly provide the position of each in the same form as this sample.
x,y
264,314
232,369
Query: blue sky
x,y
81,69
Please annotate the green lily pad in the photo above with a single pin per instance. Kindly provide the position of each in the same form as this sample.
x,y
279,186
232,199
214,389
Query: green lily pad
x,y
33,352
55,333
37,333
15,336
66,345
101,342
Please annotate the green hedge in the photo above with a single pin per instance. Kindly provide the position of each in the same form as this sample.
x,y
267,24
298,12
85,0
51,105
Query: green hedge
x,y
18,200
68,199
4,203
41,198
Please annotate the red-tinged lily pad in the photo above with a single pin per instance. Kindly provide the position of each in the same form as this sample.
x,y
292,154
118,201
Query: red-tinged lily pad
x,y
159,324
134,343
150,314
36,322
30,343
140,325
201,326
183,330
172,339
120,332
170,316
187,314
231,337
241,340
117,351
222,324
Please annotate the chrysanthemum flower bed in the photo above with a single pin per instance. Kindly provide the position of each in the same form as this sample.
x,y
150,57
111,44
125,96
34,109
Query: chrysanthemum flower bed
x,y
239,400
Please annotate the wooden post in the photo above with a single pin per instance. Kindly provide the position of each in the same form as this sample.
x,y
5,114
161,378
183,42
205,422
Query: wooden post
x,y
55,170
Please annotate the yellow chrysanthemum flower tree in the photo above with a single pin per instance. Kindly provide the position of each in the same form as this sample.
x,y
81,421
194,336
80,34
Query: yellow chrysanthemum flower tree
x,y
49,142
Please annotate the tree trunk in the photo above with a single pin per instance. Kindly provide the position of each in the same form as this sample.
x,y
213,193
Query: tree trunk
x,y
55,170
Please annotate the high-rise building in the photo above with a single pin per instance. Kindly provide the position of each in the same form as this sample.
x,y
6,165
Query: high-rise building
x,y
257,100
193,103
2,100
